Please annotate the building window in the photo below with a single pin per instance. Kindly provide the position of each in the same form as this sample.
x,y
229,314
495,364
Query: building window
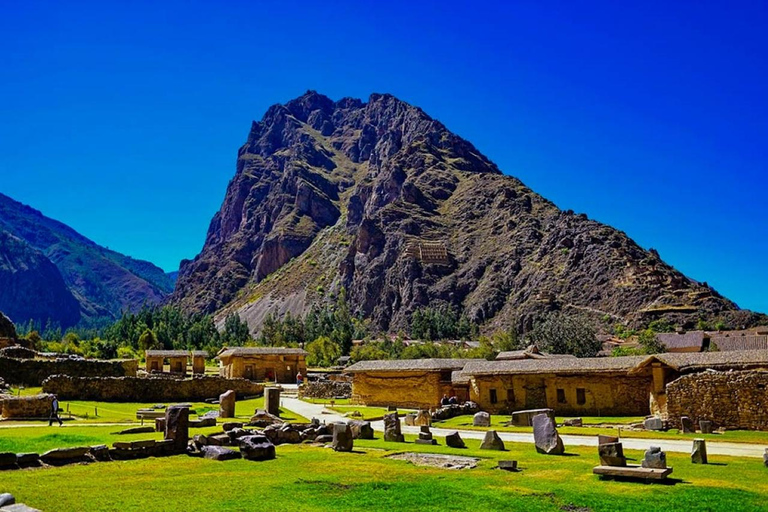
x,y
581,396
494,398
511,395
445,376
560,396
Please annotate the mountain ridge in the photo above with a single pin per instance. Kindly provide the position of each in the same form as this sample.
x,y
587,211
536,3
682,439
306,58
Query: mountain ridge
x,y
331,194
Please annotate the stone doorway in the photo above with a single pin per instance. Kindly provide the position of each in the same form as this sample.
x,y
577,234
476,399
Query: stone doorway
x,y
536,395
248,374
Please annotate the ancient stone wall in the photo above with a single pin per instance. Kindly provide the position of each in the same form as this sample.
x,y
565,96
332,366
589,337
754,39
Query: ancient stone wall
x,y
17,407
572,395
418,390
32,372
148,389
734,400
325,389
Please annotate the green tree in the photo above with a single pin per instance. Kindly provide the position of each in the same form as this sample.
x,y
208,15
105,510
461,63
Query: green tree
x,y
323,352
148,341
562,334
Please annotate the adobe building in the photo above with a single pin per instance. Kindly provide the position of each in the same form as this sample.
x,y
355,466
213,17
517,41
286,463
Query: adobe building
x,y
198,361
272,364
412,383
177,360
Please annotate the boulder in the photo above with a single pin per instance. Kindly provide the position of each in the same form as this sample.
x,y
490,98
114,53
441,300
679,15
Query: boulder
x,y
227,404
200,440
5,498
100,453
392,428
263,419
653,424
256,447
27,460
177,427
525,418
19,507
699,451
361,429
410,419
492,441
454,440
237,433
481,419
686,425
508,465
545,435
705,426
220,453
342,437
612,454
325,438
422,418
655,458
7,459
60,456
231,425
573,422
219,440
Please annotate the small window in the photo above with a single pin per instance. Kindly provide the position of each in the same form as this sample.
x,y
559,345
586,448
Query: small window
x,y
581,396
511,395
445,376
560,396
494,398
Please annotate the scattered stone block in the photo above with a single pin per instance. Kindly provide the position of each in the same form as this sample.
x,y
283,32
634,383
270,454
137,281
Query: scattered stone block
x,y
28,460
159,424
325,438
264,419
705,426
227,404
392,428
361,429
525,418
508,465
686,425
612,454
545,435
6,499
481,419
137,430
410,419
454,440
219,440
7,460
100,453
177,427
60,456
425,436
423,418
573,422
601,439
655,458
231,426
272,401
256,447
220,453
342,437
653,424
699,452
492,441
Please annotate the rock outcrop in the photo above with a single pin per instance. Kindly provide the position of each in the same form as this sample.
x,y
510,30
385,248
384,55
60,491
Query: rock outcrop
x,y
386,202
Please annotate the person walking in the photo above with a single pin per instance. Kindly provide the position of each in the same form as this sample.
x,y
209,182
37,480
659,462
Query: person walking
x,y
299,379
55,412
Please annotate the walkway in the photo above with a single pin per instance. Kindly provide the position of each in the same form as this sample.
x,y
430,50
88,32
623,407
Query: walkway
x,y
319,411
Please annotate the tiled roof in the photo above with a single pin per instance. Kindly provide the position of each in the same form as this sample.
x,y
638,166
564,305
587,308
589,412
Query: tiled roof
x,y
260,351
394,365
730,360
167,353
459,377
728,343
673,340
572,365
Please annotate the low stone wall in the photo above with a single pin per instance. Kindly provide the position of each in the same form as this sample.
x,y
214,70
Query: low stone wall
x,y
37,406
148,389
325,389
32,372
733,400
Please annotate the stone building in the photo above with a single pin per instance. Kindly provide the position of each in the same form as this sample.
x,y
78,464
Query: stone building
x,y
414,383
272,364
572,386
198,361
177,360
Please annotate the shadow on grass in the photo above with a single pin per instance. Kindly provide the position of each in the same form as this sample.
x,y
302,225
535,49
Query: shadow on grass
x,y
645,481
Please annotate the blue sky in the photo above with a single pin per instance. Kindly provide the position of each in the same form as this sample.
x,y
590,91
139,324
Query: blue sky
x,y
124,121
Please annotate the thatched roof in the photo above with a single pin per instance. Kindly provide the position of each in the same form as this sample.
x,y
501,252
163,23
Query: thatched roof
x,y
458,377
403,365
745,342
678,341
560,365
199,353
167,353
259,351
688,361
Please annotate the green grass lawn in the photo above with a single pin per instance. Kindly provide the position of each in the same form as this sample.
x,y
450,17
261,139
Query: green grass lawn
x,y
309,478
367,413
497,423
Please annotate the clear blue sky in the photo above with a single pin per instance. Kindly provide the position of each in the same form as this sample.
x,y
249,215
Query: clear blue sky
x,y
124,121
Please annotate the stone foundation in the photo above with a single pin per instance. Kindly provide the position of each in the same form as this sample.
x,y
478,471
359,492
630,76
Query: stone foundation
x,y
32,372
733,400
13,407
149,389
325,389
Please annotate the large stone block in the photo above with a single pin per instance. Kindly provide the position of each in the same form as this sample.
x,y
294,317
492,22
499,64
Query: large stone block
x,y
611,454
177,427
545,435
227,404
454,440
492,441
705,426
525,418
361,429
602,439
653,424
272,401
699,451
686,425
655,458
256,447
392,428
220,453
342,437
423,418
60,456
481,419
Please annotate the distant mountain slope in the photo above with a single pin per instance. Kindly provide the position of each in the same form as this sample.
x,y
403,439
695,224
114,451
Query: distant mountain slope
x,y
103,282
383,200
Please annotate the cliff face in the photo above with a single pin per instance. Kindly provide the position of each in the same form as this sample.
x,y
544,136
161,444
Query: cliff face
x,y
384,201
102,282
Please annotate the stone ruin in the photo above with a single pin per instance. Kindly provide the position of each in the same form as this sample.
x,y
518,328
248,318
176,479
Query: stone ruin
x,y
227,404
481,419
425,436
392,428
655,458
699,452
492,441
545,435
451,411
33,407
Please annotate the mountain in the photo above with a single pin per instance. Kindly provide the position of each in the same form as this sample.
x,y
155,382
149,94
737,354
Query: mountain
x,y
40,254
382,200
